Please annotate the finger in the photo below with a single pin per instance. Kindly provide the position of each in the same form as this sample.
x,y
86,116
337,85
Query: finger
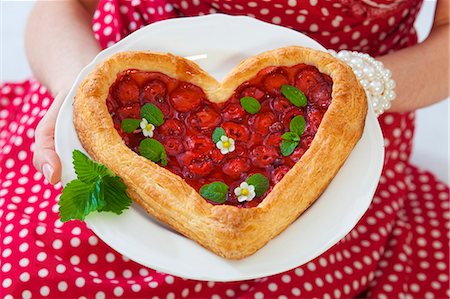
x,y
45,158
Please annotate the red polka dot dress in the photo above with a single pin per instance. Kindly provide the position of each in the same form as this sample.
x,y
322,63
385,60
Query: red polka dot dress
x,y
399,249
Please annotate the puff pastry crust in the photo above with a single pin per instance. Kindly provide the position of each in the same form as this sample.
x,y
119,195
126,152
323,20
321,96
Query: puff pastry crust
x,y
228,231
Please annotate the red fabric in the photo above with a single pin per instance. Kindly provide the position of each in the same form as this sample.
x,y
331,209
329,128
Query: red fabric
x,y
398,249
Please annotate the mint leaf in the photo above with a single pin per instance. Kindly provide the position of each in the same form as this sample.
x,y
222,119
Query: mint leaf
x,y
79,199
152,114
153,150
291,136
129,125
251,105
95,189
298,125
218,132
294,95
115,197
87,170
260,182
216,192
287,147
163,158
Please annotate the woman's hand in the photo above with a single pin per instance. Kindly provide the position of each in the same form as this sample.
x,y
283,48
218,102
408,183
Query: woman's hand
x,y
45,158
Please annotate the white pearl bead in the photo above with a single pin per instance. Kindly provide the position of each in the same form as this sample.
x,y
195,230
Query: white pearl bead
x,y
356,61
390,84
376,87
358,73
390,95
369,72
364,83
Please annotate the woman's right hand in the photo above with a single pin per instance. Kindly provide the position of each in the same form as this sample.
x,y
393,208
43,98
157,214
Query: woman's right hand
x,y
59,42
45,158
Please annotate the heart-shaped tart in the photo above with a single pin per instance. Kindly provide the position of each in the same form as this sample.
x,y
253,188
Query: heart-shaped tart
x,y
229,165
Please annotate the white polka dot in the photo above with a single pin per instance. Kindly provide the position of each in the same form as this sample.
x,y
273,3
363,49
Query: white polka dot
x,y
313,28
273,287
100,295
60,268
296,291
286,278
24,262
391,21
24,277
258,295
93,240
276,20
75,242
136,288
153,284
62,286
43,273
313,2
75,260
127,273
118,291
301,19
79,282
57,244
44,291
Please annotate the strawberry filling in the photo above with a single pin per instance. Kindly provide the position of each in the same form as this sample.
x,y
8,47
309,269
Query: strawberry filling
x,y
190,120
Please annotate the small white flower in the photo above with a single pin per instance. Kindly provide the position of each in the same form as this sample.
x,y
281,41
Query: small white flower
x,y
147,128
245,192
225,144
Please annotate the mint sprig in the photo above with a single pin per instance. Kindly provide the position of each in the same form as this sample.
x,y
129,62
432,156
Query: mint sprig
x,y
129,125
153,150
218,132
291,139
216,191
152,114
294,95
251,105
260,182
95,189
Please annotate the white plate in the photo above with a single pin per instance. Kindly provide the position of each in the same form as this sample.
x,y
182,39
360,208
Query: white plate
x,y
217,43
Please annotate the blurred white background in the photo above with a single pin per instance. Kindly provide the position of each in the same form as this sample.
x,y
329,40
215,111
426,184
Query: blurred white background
x,y
431,144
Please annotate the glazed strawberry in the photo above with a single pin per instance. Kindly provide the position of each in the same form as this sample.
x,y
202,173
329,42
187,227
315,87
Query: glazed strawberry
x,y
173,146
307,78
273,139
127,92
236,131
273,83
314,117
252,91
280,104
261,122
235,167
153,91
133,111
205,118
186,97
289,114
279,173
216,156
263,156
320,95
172,127
199,144
297,154
233,112
201,167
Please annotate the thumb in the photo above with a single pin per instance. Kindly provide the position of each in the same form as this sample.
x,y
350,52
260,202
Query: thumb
x,y
45,159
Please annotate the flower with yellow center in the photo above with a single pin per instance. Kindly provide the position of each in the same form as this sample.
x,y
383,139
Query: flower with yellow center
x,y
245,192
225,144
147,128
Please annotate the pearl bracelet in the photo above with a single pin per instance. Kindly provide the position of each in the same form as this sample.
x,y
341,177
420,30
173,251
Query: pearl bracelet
x,y
373,76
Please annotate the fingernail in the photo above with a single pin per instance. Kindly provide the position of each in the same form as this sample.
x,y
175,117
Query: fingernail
x,y
47,170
